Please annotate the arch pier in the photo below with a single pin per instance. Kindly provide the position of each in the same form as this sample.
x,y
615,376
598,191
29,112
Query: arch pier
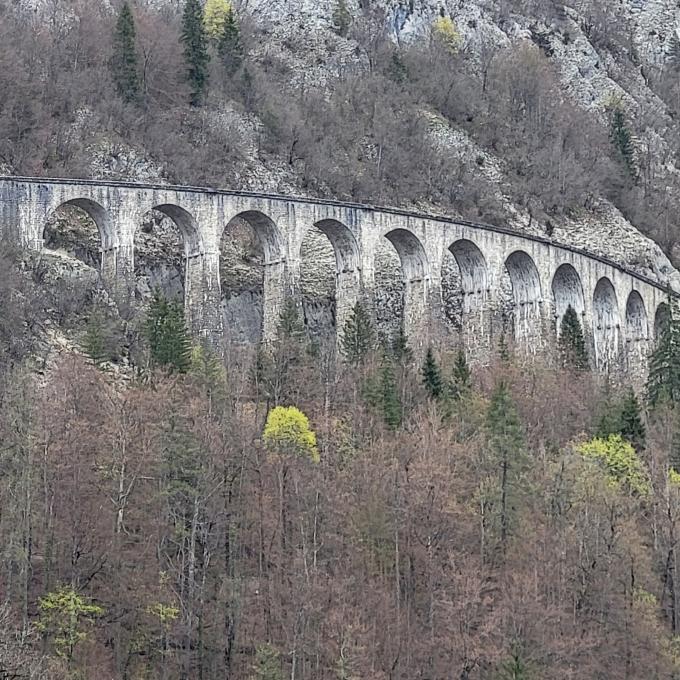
x,y
500,273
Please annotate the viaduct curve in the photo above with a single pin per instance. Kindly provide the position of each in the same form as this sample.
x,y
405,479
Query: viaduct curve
x,y
620,309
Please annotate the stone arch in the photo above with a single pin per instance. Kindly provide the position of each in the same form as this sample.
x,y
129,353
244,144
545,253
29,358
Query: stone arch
x,y
186,223
473,273
253,277
267,232
412,256
330,279
99,216
168,248
526,297
567,291
606,324
401,285
636,317
661,318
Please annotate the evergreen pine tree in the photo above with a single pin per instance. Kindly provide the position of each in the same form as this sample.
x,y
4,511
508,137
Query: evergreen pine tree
x,y
229,46
167,335
632,428
389,394
663,380
195,50
503,350
94,342
506,446
622,140
460,378
570,343
400,349
123,62
432,376
515,668
358,336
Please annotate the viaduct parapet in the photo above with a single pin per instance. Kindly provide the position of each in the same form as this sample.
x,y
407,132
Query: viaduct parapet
x,y
620,309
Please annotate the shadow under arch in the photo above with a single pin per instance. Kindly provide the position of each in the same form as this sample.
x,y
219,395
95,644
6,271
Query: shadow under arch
x,y
89,247
186,223
401,299
268,234
345,246
526,298
252,287
567,290
636,317
330,280
606,324
473,273
662,318
412,256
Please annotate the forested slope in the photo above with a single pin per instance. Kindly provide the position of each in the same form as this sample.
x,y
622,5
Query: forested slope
x,y
167,511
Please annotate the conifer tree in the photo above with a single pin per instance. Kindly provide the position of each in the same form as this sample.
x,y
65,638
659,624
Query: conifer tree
x,y
167,335
623,141
389,393
229,46
358,335
570,344
94,342
123,62
663,380
506,445
195,50
631,427
401,351
432,376
461,374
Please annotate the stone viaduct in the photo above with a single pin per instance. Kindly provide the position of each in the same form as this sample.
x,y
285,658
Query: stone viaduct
x,y
620,309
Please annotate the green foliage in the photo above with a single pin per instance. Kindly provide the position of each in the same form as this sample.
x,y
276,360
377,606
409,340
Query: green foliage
x,y
389,395
215,18
571,344
167,335
515,667
402,353
358,335
663,380
631,426
460,376
506,446
230,47
432,376
622,140
123,64
620,462
94,343
287,430
62,615
196,54
267,663
208,370
446,32
342,18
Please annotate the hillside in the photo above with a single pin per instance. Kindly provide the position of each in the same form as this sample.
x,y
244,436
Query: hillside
x,y
359,507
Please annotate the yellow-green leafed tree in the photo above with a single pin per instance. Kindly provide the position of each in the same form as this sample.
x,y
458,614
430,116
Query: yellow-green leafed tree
x,y
619,461
63,617
446,32
287,430
215,17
